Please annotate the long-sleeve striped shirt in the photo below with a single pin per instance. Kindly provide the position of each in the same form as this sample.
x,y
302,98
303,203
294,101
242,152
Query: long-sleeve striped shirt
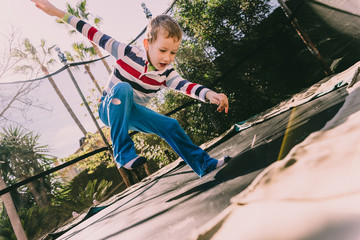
x,y
132,66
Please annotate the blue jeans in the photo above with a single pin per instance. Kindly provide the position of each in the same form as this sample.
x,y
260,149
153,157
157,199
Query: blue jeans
x,y
119,112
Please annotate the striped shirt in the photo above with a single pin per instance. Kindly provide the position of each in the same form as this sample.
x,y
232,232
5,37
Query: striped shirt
x,y
132,66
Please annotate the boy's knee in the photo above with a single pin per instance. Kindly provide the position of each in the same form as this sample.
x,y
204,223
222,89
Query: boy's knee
x,y
121,92
116,101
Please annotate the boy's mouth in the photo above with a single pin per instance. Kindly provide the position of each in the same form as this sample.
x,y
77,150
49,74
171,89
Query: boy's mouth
x,y
163,64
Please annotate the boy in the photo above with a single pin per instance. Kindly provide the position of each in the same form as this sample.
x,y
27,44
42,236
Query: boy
x,y
138,74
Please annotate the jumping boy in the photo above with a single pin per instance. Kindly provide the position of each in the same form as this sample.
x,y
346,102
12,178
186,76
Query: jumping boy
x,y
138,74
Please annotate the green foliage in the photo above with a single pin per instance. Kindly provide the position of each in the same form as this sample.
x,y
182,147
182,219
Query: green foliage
x,y
215,31
97,21
154,149
34,58
77,195
81,11
37,221
76,198
83,52
22,157
220,23
80,192
92,142
257,58
6,232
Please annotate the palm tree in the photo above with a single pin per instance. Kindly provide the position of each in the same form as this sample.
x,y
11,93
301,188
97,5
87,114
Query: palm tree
x,y
82,53
42,60
12,213
23,157
6,64
81,12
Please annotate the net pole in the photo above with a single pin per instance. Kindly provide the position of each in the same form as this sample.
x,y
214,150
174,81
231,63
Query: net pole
x,y
305,37
64,61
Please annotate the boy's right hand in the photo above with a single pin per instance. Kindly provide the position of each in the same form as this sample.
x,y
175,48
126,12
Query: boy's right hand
x,y
48,8
219,99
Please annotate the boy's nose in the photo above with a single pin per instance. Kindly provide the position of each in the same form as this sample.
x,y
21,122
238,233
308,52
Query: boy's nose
x,y
167,57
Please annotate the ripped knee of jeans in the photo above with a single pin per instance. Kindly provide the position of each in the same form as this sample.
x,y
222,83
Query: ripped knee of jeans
x,y
115,101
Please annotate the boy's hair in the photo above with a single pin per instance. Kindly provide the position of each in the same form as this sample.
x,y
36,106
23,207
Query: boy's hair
x,y
163,22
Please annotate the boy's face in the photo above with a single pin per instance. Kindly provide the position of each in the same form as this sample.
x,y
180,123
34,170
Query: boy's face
x,y
162,51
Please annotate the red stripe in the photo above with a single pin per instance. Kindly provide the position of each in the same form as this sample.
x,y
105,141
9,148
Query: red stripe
x,y
91,33
150,81
128,68
137,74
189,88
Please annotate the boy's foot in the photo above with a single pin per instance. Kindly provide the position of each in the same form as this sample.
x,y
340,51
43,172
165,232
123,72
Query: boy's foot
x,y
222,161
134,163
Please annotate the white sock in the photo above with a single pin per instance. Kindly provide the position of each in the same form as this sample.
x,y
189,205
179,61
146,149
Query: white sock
x,y
128,164
220,162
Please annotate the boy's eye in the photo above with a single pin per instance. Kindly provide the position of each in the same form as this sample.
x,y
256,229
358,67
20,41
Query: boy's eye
x,y
161,50
173,53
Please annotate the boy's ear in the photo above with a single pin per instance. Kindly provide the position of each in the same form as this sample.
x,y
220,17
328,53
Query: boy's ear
x,y
146,44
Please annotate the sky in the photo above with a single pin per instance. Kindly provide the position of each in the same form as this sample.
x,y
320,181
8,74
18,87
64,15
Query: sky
x,y
121,19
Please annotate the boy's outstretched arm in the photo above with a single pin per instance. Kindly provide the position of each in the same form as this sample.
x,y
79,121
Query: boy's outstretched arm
x,y
48,8
219,99
109,44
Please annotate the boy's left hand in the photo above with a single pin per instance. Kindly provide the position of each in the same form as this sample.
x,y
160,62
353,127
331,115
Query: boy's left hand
x,y
219,99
